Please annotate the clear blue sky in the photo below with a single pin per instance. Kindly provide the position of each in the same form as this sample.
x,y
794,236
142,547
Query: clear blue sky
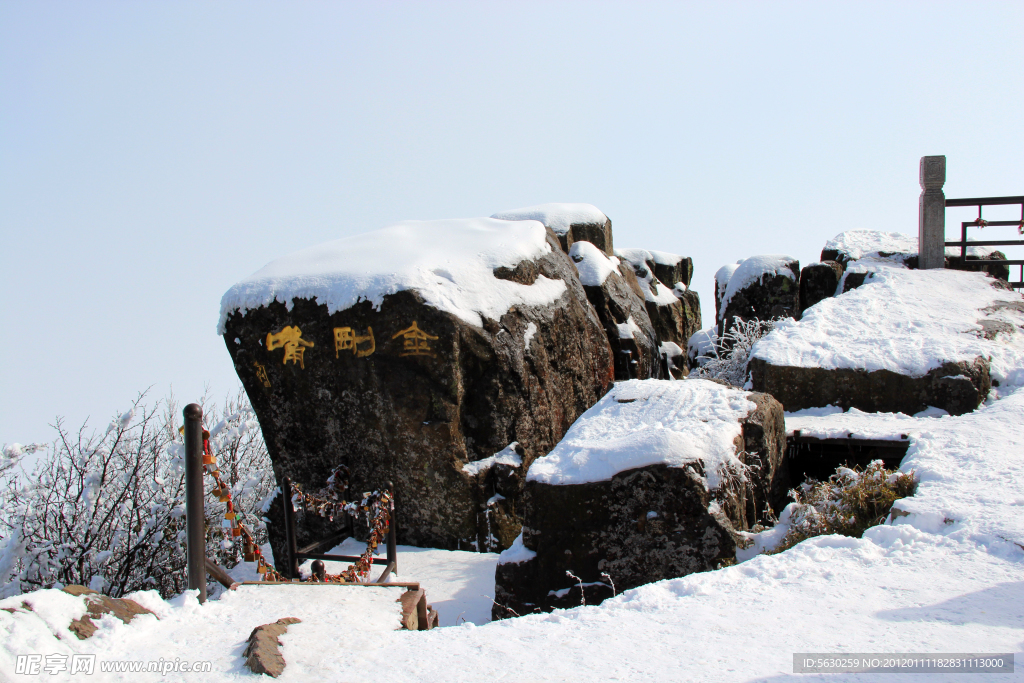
x,y
152,154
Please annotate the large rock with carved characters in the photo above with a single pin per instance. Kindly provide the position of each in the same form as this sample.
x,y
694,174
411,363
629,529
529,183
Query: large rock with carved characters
x,y
411,351
653,482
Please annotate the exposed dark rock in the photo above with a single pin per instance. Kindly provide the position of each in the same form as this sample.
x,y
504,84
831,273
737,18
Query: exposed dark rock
x,y
263,654
996,270
618,299
853,280
99,604
408,393
818,281
642,525
598,234
775,294
671,273
674,318
955,387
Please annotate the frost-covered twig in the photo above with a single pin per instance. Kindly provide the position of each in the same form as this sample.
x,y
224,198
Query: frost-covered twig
x,y
508,609
583,597
612,583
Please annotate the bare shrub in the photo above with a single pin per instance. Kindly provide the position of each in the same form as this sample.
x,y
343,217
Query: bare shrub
x,y
107,510
849,503
731,353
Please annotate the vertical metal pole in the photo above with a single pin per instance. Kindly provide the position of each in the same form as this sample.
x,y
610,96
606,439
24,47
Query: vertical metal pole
x,y
292,565
195,509
931,217
392,531
963,246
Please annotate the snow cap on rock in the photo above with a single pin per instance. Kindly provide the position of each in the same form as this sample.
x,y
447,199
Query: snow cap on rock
x,y
558,217
753,269
649,422
593,265
450,263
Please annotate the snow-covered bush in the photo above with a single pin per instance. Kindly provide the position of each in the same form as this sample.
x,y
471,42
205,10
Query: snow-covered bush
x,y
731,353
107,510
849,503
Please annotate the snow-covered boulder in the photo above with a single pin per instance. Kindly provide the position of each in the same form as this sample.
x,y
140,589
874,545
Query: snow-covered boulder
x,y
758,288
615,294
406,353
854,245
897,248
651,483
901,342
818,281
673,308
570,222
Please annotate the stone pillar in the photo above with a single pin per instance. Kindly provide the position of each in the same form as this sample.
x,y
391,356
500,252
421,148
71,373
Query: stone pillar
x,y
931,225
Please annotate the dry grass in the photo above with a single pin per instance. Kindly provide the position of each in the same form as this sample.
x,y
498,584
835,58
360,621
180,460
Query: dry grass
x,y
849,503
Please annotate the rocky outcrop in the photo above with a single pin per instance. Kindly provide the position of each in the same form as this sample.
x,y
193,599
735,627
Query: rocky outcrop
x,y
955,387
645,523
263,654
760,288
674,310
407,386
618,299
818,281
97,604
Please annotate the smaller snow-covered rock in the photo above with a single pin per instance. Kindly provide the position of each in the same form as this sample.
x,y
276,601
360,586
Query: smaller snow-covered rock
x,y
897,248
570,222
722,277
854,245
760,288
701,344
708,459
818,281
669,269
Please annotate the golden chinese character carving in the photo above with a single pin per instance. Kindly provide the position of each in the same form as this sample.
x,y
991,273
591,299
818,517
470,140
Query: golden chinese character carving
x,y
290,338
346,339
415,343
261,374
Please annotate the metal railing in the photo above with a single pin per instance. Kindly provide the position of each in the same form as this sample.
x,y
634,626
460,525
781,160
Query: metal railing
x,y
980,222
312,551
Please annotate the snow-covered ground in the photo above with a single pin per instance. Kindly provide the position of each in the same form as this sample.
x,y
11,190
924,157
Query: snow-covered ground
x,y
947,577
